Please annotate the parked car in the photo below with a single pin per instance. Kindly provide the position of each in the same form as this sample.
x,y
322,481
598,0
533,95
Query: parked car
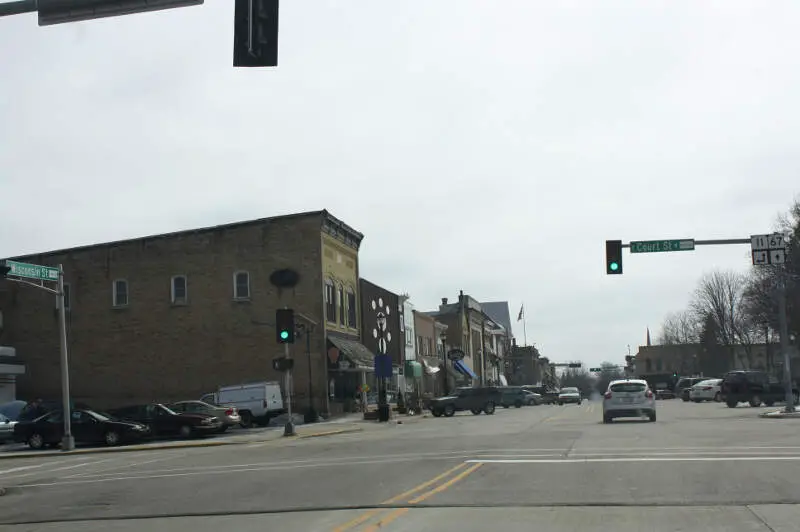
x,y
569,395
162,421
13,409
476,400
628,398
532,398
754,387
6,429
229,415
257,402
87,427
708,390
512,396
684,385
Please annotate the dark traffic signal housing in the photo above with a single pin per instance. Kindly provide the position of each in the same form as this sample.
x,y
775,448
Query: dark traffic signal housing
x,y
255,33
575,365
4,270
284,326
613,257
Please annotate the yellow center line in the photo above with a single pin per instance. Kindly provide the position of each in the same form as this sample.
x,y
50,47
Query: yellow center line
x,y
391,516
440,488
398,498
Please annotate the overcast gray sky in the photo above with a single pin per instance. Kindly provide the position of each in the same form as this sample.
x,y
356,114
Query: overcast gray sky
x,y
490,146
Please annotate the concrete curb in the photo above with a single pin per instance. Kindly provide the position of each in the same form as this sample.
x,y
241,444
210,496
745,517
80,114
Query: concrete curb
x,y
780,414
169,445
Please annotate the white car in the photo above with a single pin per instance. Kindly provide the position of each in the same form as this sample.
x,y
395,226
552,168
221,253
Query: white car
x,y
706,391
628,398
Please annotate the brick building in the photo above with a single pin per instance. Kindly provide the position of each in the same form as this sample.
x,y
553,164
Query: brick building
x,y
173,316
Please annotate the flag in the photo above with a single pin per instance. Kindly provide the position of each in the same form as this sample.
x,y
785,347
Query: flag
x,y
521,313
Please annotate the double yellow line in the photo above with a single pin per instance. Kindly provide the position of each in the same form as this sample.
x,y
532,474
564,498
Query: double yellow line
x,y
415,495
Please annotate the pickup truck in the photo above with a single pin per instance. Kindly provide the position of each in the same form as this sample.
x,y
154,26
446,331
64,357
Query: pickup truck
x,y
754,387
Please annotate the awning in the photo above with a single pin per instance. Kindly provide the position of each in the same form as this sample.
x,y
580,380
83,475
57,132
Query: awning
x,y
431,365
463,368
354,353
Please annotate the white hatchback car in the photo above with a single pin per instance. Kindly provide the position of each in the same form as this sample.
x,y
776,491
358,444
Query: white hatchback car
x,y
628,398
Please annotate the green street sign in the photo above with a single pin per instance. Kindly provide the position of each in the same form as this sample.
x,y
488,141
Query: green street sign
x,y
657,246
596,370
32,271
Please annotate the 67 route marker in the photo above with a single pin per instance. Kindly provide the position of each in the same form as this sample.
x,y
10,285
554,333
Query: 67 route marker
x,y
768,249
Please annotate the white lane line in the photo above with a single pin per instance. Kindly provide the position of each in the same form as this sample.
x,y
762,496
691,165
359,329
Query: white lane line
x,y
639,459
107,470
21,468
62,468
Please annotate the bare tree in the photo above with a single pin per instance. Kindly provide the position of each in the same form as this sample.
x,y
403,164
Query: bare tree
x,y
680,328
721,296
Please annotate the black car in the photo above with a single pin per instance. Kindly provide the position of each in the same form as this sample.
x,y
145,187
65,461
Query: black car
x,y
476,400
161,421
754,387
87,426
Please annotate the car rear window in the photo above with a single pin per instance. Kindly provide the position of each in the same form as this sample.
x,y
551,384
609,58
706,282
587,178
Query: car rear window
x,y
628,387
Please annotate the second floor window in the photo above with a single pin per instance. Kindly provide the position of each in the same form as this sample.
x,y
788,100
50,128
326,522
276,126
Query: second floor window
x,y
330,302
351,309
178,291
241,285
342,313
119,293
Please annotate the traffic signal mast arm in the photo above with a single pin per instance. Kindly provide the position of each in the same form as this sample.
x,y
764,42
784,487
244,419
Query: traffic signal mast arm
x,y
717,242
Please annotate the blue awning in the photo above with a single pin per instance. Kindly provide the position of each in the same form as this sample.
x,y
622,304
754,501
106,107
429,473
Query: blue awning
x,y
463,368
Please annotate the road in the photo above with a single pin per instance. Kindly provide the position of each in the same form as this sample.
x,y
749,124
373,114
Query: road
x,y
700,467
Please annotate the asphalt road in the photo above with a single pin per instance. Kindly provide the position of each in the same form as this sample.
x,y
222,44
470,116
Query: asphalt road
x,y
700,467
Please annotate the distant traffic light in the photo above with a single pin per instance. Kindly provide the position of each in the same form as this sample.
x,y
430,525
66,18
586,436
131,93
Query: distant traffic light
x,y
613,257
255,33
284,325
575,365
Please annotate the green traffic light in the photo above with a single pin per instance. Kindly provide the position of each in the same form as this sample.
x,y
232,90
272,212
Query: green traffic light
x,y
614,266
284,335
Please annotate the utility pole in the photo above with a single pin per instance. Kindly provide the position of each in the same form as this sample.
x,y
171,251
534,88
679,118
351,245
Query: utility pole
x,y
784,331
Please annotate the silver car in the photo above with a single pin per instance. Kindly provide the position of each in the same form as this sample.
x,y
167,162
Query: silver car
x,y
628,398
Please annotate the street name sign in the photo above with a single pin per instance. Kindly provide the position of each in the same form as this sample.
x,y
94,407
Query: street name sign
x,y
657,246
32,271
768,249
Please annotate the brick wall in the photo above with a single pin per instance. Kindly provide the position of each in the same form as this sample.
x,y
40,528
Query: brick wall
x,y
153,349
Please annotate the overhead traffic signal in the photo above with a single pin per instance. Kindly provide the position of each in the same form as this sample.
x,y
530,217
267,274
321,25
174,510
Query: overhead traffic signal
x,y
284,325
613,257
255,33
575,365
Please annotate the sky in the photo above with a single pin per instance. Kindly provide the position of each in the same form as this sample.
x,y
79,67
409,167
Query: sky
x,y
490,147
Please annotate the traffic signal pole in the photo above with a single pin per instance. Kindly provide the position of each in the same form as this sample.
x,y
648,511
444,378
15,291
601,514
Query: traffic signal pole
x,y
766,249
288,429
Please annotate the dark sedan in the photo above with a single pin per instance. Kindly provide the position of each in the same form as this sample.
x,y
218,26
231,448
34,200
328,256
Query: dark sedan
x,y
163,421
87,427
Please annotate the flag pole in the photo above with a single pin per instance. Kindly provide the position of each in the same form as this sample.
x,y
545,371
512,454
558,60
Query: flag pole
x,y
524,329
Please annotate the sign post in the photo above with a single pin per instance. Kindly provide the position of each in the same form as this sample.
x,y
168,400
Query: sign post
x,y
771,250
24,272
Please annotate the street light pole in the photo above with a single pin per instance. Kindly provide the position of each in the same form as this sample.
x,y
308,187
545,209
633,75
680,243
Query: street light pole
x,y
68,441
784,330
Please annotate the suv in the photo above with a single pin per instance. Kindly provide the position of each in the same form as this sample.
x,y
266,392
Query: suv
x,y
476,400
754,387
628,398
685,384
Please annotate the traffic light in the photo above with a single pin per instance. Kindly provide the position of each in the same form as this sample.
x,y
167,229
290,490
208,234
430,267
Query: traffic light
x,y
284,325
255,33
575,365
613,257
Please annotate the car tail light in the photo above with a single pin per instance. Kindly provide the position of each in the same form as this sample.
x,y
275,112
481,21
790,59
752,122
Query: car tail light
x,y
707,388
229,412
607,395
649,394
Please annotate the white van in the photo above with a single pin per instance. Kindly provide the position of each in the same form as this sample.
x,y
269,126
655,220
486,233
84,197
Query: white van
x,y
257,401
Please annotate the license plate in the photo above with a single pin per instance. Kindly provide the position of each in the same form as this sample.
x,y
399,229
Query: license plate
x,y
627,399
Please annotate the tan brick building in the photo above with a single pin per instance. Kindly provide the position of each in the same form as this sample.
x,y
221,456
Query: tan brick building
x,y
173,316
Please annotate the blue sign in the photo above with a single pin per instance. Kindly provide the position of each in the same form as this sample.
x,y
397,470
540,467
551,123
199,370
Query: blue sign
x,y
383,366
